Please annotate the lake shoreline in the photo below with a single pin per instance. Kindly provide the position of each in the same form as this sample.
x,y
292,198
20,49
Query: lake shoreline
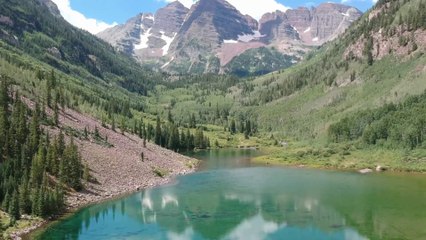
x,y
115,170
26,233
342,159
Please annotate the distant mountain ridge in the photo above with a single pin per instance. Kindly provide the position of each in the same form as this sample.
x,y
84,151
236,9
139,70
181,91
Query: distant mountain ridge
x,y
210,35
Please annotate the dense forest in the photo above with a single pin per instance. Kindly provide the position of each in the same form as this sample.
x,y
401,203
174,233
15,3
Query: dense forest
x,y
400,125
35,168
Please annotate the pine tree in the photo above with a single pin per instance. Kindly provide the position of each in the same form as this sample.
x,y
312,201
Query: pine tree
x,y
48,94
4,113
56,112
72,166
233,127
14,207
170,116
38,166
144,136
35,199
193,123
24,196
123,126
60,144
242,129
188,141
113,124
247,130
35,130
158,131
86,173
97,134
6,201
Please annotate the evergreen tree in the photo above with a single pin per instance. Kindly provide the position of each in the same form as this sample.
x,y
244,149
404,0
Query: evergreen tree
x,y
6,201
38,166
113,124
72,166
233,127
24,196
158,134
60,144
86,173
14,207
56,112
192,122
35,130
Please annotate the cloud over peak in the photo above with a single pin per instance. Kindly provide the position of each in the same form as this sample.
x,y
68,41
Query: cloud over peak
x,y
79,20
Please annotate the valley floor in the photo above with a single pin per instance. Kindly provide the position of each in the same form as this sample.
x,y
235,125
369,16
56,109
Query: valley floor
x,y
345,157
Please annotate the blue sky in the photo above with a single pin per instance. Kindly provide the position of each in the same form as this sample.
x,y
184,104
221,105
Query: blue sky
x,y
120,10
96,15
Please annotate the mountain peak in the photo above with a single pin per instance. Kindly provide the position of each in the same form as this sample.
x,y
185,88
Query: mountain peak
x,y
176,4
200,38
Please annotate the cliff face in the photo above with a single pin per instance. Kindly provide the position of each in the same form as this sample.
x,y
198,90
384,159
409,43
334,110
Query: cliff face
x,y
209,24
314,27
212,33
148,36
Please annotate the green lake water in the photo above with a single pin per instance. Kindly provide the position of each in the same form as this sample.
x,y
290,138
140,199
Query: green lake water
x,y
231,199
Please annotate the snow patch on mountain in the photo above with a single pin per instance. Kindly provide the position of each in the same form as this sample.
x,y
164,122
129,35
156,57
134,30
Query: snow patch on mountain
x,y
250,37
168,41
144,38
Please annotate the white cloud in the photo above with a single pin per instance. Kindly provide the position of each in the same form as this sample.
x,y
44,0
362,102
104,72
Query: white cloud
x,y
254,8
79,20
254,228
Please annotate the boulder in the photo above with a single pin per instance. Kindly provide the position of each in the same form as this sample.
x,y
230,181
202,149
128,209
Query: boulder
x,y
365,171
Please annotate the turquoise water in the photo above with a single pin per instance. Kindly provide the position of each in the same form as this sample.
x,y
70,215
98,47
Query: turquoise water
x,y
230,199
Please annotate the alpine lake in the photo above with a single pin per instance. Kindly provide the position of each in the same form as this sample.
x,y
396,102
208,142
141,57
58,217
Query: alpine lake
x,y
230,198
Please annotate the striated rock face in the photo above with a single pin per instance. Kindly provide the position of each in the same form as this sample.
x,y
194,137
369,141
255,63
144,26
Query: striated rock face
x,y
170,18
275,26
313,27
329,20
209,35
253,24
125,37
208,25
146,35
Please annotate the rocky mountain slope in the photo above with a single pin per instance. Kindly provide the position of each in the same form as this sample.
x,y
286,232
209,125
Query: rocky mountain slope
x,y
379,60
210,35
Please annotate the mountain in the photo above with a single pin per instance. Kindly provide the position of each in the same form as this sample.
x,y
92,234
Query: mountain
x,y
357,83
62,90
148,36
38,30
211,35
311,26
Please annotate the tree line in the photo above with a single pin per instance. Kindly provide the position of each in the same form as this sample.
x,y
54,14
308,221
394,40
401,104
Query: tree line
x,y
400,125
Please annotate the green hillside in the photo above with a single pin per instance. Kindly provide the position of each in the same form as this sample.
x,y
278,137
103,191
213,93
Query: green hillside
x,y
303,100
259,61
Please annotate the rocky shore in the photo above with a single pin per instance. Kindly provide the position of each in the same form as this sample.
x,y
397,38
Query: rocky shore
x,y
115,165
